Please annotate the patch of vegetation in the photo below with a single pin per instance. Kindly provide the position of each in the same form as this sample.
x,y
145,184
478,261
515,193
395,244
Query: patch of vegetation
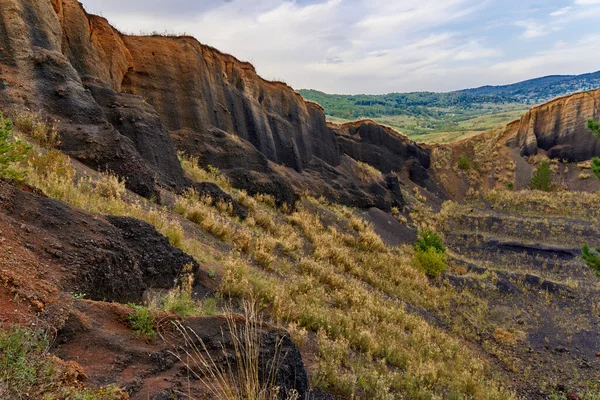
x,y
431,261
29,371
429,240
464,162
244,378
430,254
179,300
12,151
596,166
141,320
594,126
44,134
592,258
343,284
542,178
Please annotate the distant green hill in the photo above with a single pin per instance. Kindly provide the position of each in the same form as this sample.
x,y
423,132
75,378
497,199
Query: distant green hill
x,y
462,112
540,89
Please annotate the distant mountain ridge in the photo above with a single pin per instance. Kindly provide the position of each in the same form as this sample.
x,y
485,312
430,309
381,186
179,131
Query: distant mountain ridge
x,y
475,109
540,89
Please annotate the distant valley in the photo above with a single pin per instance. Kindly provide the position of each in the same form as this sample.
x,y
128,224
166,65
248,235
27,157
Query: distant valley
x,y
446,117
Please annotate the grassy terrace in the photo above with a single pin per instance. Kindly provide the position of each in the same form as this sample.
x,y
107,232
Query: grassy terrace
x,y
343,294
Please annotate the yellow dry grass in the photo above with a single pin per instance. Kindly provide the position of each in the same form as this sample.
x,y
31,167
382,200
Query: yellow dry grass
x,y
347,286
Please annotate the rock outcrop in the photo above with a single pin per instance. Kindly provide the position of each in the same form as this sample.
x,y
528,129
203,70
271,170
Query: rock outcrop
x,y
126,104
559,128
111,258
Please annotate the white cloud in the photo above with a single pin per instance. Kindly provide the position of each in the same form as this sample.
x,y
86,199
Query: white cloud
x,y
367,46
559,58
532,29
562,11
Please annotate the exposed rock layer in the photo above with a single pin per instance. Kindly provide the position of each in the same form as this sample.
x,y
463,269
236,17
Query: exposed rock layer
x,y
559,128
118,97
112,258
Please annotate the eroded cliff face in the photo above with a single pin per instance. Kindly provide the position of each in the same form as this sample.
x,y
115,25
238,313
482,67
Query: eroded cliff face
x,y
126,104
55,58
559,128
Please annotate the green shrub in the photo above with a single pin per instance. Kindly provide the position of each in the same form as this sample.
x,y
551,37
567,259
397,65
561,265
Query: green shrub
x,y
209,306
464,162
431,261
180,302
141,321
596,166
594,126
428,240
592,258
430,254
11,151
542,178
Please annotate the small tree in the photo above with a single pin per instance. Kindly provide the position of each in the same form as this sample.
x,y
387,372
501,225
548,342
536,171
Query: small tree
x,y
592,258
596,166
594,126
430,254
542,178
11,151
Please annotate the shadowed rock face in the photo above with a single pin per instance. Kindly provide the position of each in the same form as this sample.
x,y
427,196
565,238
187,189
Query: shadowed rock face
x,y
112,258
47,48
126,104
559,128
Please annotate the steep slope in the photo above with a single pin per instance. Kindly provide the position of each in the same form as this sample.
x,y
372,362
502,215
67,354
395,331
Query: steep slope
x,y
119,97
559,128
43,67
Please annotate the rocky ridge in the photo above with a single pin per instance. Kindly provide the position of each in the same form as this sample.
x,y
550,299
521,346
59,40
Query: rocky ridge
x,y
128,104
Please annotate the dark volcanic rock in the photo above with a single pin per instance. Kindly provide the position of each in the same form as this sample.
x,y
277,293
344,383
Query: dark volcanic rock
x,y
114,258
275,347
160,263
379,146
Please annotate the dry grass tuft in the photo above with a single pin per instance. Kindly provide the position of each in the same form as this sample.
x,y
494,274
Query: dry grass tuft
x,y
31,124
242,378
366,172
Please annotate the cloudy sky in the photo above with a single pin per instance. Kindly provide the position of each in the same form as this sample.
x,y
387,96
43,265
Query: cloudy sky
x,y
381,46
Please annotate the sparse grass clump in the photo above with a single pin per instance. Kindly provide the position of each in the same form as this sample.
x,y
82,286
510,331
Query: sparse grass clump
x,y
193,170
12,151
592,258
244,378
142,321
366,172
42,133
179,299
29,371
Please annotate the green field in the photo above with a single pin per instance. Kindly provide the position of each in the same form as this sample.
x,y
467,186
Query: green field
x,y
431,117
449,126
